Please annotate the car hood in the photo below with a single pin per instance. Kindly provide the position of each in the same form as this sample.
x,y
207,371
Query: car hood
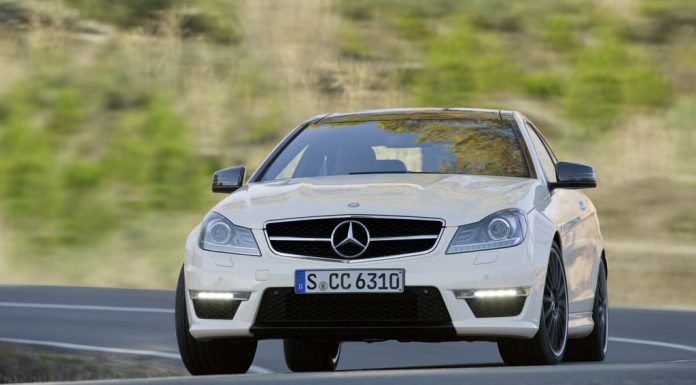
x,y
458,199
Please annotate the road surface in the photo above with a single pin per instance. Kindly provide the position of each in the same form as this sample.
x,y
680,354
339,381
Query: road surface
x,y
646,346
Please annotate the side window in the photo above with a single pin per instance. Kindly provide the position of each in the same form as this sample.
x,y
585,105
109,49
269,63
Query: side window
x,y
545,157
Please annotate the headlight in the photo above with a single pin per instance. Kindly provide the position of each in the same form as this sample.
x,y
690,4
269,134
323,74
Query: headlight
x,y
219,234
505,228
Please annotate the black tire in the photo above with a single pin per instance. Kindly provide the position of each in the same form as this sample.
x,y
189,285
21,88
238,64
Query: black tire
x,y
217,356
311,356
548,346
594,346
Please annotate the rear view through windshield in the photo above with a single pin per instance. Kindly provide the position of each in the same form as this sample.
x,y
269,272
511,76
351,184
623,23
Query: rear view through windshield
x,y
402,146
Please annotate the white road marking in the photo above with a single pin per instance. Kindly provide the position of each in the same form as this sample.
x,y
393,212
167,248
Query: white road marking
x,y
86,307
687,348
103,349
654,309
678,361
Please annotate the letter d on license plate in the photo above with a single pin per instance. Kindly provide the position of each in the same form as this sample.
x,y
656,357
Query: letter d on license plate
x,y
349,281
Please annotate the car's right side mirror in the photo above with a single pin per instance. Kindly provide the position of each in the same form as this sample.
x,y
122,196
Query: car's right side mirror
x,y
574,176
228,180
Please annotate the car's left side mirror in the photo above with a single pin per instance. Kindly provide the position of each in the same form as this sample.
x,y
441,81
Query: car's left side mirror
x,y
228,180
574,176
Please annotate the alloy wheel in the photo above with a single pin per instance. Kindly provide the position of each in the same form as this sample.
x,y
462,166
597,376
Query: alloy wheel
x,y
603,311
556,305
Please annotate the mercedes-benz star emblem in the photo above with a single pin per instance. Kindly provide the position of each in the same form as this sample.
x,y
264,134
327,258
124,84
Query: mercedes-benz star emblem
x,y
350,239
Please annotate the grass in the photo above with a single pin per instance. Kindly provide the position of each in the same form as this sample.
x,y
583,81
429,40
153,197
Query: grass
x,y
146,254
19,363
645,273
649,227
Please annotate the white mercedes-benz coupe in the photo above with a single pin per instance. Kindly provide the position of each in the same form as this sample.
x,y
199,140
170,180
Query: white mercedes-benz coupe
x,y
410,225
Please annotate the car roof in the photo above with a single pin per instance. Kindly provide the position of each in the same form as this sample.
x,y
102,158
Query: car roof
x,y
418,113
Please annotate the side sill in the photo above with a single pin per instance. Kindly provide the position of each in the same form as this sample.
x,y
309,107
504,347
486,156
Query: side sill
x,y
580,325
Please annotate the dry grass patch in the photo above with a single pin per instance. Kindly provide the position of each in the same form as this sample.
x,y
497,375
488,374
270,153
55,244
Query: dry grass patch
x,y
19,363
650,274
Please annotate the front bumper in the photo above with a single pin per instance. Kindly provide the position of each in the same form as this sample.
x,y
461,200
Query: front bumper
x,y
503,268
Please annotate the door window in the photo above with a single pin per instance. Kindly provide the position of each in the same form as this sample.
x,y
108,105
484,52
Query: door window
x,y
545,158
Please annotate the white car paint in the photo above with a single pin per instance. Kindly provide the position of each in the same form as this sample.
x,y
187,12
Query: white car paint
x,y
457,199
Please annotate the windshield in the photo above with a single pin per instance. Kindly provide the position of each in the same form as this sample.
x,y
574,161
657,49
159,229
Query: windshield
x,y
467,147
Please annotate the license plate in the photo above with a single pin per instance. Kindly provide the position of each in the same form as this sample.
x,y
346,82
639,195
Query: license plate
x,y
349,281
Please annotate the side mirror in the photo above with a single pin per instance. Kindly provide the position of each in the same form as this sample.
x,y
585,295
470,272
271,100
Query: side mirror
x,y
574,175
228,180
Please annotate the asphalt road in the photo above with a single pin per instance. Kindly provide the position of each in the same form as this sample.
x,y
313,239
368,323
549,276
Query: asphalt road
x,y
646,346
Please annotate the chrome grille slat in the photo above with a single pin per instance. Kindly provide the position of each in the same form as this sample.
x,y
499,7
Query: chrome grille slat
x,y
303,239
390,236
299,239
406,238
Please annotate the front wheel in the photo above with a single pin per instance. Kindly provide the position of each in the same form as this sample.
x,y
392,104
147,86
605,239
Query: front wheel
x,y
594,346
549,344
218,356
311,356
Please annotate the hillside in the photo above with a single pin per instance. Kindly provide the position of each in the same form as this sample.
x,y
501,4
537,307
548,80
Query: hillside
x,y
114,114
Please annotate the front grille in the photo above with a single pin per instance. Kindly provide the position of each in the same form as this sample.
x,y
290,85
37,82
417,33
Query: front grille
x,y
416,306
212,309
496,307
388,236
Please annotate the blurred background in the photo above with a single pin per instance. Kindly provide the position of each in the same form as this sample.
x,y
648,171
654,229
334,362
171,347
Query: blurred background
x,y
113,115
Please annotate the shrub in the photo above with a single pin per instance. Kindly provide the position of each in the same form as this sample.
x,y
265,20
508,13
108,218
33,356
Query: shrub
x,y
126,13
544,84
645,87
559,32
666,16
595,93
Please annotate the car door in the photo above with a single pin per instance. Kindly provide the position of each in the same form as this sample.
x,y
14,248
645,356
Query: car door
x,y
564,210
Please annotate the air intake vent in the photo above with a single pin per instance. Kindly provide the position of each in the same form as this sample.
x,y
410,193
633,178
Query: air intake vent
x,y
416,306
496,307
212,309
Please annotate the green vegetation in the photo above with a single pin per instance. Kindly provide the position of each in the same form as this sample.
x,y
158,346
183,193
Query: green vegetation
x,y
113,114
66,181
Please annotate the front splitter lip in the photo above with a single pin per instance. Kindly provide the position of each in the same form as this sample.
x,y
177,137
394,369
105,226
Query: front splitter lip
x,y
431,333
423,333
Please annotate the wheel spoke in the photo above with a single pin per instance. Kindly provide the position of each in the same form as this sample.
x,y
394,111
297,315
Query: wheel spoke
x,y
548,315
559,335
552,330
559,281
